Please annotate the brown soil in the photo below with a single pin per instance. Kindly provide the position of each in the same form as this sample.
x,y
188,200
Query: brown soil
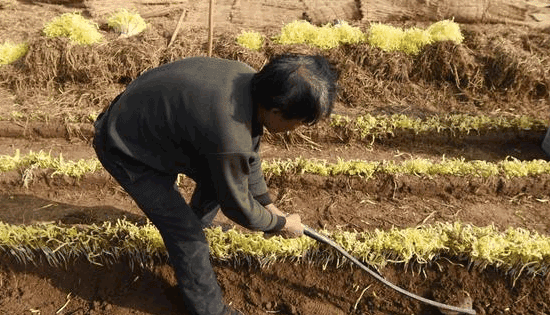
x,y
498,71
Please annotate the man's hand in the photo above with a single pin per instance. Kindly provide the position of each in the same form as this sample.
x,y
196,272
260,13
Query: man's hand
x,y
293,227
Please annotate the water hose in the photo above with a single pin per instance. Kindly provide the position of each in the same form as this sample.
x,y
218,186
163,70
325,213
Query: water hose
x,y
323,239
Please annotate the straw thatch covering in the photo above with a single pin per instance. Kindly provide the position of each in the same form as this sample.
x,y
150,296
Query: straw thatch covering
x,y
321,12
463,11
516,71
490,65
449,62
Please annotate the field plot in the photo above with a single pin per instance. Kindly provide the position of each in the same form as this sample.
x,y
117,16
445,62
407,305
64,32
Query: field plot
x,y
430,170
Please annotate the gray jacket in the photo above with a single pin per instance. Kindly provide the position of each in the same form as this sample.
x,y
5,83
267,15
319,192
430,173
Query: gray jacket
x,y
195,116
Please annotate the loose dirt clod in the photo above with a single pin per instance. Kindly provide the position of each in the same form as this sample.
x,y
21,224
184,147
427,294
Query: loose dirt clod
x,y
465,302
322,308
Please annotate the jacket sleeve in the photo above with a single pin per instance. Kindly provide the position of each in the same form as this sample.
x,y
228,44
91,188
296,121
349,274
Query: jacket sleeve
x,y
257,184
256,181
231,176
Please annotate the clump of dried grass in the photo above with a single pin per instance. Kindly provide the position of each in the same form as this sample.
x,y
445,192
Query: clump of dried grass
x,y
355,84
393,66
226,47
271,49
54,62
515,62
368,76
511,69
72,3
176,52
447,61
193,44
302,137
56,67
368,73
7,4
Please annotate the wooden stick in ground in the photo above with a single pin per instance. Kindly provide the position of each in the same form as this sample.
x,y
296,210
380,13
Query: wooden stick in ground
x,y
178,26
210,27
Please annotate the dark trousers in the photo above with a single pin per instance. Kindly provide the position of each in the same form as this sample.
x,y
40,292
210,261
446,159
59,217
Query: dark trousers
x,y
180,225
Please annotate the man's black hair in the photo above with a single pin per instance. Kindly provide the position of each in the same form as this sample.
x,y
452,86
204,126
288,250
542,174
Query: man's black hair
x,y
302,87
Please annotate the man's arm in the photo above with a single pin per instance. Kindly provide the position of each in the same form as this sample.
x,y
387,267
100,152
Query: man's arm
x,y
229,175
273,209
256,179
292,224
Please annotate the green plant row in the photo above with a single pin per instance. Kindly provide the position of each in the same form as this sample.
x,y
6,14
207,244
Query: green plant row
x,y
385,37
375,125
514,251
43,160
84,116
510,167
79,30
368,124
412,40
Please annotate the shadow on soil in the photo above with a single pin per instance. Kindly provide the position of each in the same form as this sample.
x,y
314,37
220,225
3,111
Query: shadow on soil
x,y
28,209
101,288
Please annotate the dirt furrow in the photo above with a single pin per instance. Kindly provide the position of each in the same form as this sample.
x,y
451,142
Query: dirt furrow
x,y
296,288
350,203
320,142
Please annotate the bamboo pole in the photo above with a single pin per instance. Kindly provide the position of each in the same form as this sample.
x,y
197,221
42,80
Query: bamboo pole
x,y
210,27
178,26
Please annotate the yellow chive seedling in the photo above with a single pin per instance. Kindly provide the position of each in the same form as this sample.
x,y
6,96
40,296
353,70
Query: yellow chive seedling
x,y
515,251
251,40
411,41
509,167
44,160
126,23
326,36
10,52
74,26
382,124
